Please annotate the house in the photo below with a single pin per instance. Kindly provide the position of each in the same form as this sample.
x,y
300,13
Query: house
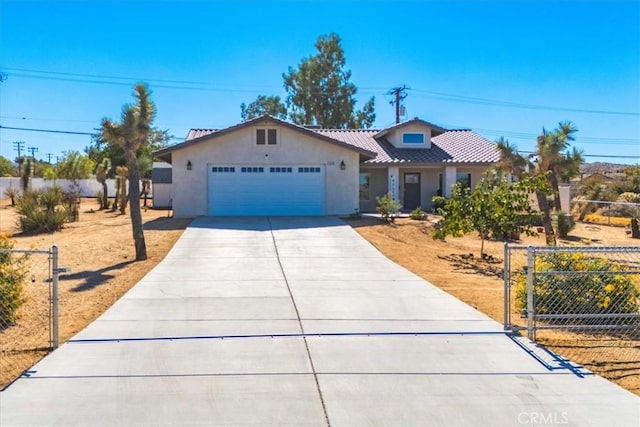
x,y
267,166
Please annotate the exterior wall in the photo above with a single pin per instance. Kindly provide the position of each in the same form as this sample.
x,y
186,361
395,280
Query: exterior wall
x,y
378,187
239,148
162,196
429,183
88,187
395,136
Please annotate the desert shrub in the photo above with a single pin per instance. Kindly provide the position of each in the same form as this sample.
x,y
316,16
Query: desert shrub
x,y
12,193
71,202
40,211
99,197
603,289
614,221
563,223
418,214
387,207
12,274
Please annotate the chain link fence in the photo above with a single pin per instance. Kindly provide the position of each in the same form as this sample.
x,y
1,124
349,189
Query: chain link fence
x,y
28,309
583,303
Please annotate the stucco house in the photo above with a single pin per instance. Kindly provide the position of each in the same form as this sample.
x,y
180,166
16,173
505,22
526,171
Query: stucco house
x,y
267,166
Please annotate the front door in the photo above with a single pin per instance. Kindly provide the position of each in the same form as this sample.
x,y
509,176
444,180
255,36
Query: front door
x,y
411,191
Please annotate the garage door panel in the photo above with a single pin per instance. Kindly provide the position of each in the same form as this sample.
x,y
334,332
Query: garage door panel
x,y
259,190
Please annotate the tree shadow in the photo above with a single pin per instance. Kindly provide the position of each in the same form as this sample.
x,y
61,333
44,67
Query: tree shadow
x,y
93,279
167,223
470,265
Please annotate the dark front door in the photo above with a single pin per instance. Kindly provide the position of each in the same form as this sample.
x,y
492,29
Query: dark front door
x,y
411,191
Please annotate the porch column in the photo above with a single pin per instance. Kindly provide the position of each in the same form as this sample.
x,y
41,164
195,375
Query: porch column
x,y
449,180
393,173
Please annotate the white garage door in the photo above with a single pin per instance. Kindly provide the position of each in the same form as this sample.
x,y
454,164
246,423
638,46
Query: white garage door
x,y
266,190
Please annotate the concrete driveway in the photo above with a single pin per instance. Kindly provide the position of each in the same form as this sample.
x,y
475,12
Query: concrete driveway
x,y
298,321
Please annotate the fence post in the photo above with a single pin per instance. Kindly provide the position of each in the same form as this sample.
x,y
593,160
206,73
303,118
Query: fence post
x,y
507,288
530,303
54,297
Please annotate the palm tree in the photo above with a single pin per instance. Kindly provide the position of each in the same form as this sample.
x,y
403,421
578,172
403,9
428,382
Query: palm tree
x,y
131,134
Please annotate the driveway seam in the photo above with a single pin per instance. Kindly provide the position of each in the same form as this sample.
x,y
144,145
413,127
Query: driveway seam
x,y
304,338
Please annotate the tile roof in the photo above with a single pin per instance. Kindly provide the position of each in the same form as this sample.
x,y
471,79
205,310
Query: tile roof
x,y
448,146
453,146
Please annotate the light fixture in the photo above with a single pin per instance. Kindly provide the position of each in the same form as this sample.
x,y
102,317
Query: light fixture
x,y
342,165
266,157
189,165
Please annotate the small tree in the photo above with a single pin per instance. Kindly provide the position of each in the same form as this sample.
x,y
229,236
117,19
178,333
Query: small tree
x,y
121,191
387,207
495,208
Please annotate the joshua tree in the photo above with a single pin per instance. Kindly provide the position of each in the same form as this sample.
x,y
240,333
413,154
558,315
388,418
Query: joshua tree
x,y
102,172
132,133
122,173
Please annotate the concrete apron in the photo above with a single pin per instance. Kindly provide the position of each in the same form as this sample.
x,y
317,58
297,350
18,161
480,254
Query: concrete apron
x,y
298,321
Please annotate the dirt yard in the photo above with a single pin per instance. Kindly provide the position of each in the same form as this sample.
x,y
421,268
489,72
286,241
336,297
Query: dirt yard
x,y
99,250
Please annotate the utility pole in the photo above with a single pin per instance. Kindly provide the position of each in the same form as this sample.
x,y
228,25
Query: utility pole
x,y
49,156
19,146
399,93
33,152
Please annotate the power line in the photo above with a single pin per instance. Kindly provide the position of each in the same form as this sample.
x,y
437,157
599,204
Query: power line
x,y
194,85
67,132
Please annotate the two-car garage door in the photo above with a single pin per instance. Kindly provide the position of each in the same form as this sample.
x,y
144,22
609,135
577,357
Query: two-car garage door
x,y
250,190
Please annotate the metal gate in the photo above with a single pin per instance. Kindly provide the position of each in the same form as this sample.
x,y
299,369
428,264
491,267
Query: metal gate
x,y
28,309
581,301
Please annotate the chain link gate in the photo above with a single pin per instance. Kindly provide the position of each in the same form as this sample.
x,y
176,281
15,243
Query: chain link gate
x,y
28,309
583,303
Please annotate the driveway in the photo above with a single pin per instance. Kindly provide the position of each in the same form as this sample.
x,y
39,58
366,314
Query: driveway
x,y
299,321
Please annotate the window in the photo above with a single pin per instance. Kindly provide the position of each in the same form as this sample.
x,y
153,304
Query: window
x,y
266,137
413,138
251,170
223,169
281,170
464,179
308,170
365,186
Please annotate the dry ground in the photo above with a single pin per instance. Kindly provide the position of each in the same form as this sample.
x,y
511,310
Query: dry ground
x,y
99,250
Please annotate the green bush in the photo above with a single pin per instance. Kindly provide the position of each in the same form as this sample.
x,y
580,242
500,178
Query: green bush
x,y
387,207
12,274
418,214
563,223
602,289
40,211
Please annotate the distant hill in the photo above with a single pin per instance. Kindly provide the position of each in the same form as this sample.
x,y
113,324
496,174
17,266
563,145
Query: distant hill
x,y
603,168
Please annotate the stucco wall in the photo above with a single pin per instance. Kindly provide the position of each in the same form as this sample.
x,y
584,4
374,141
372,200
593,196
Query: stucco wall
x,y
395,136
239,148
378,187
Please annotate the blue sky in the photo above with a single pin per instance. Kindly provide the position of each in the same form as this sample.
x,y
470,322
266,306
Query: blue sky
x,y
502,68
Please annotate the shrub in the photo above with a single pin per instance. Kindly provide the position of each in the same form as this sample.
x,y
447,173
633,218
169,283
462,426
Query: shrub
x,y
12,193
39,211
563,223
387,207
607,220
12,274
418,214
604,288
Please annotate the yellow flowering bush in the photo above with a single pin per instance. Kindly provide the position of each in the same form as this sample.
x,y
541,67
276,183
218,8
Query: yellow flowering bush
x,y
614,221
580,285
13,271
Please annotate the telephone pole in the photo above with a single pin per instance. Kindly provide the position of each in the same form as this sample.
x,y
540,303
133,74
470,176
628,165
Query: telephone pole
x,y
19,146
49,156
399,93
33,151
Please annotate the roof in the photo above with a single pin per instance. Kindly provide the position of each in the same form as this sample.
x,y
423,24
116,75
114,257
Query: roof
x,y
452,146
447,146
197,136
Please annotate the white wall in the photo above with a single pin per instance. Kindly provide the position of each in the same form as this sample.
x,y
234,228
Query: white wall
x,y
395,136
162,196
88,187
239,148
